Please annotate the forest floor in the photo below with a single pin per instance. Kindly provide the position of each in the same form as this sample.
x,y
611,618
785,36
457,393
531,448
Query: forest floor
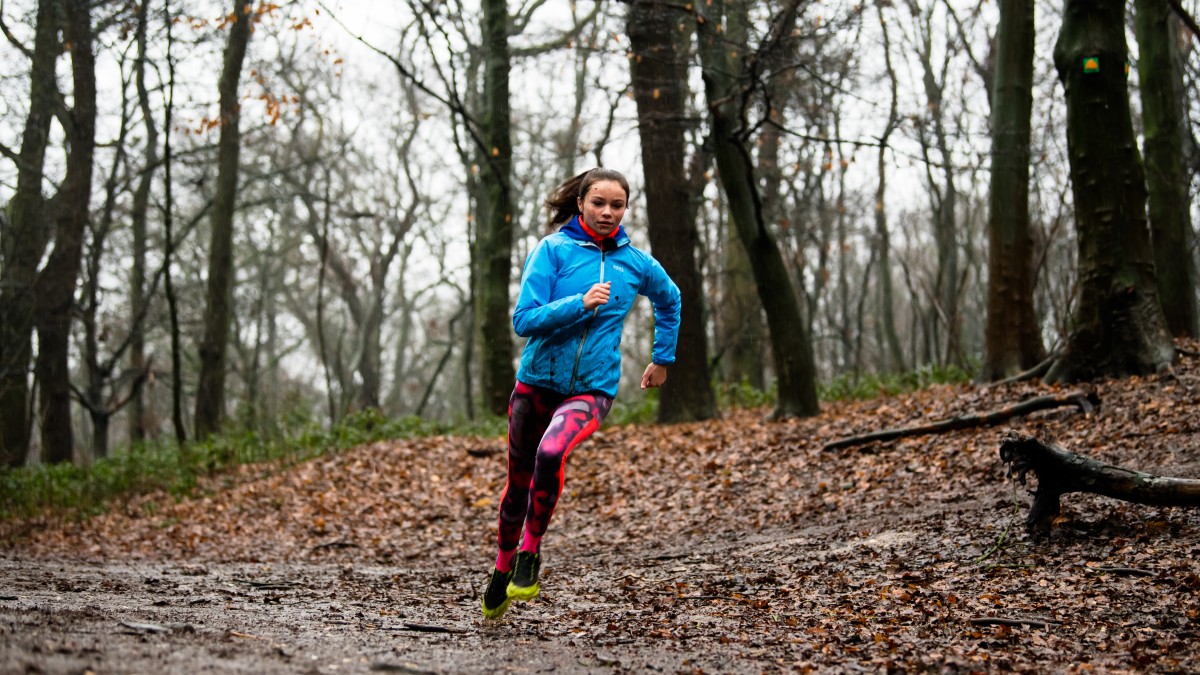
x,y
732,546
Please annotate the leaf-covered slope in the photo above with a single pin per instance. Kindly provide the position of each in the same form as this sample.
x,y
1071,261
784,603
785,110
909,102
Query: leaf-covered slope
x,y
746,536
657,486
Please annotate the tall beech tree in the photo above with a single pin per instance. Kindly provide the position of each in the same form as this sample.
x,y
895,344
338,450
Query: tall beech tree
x,y
138,226
218,308
1118,328
54,289
24,243
658,67
888,338
727,98
494,240
1160,81
1013,340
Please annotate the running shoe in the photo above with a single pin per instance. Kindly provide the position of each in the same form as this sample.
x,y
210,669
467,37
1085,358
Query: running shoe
x,y
524,584
495,598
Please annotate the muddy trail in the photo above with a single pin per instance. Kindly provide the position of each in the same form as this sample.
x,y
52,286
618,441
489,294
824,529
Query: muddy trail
x,y
733,546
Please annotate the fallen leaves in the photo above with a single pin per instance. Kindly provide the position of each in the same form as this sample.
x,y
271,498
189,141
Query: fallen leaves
x,y
741,537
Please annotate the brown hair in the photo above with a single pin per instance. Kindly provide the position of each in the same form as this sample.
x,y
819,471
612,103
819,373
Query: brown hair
x,y
563,203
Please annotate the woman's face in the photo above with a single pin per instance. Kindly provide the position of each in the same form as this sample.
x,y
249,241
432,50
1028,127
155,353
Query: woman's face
x,y
603,206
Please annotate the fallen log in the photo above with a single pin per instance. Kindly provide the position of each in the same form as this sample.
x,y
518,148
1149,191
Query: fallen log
x,y
1085,401
1060,472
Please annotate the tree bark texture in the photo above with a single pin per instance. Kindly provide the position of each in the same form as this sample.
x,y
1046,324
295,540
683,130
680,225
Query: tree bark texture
x,y
25,242
495,239
168,215
54,290
790,344
743,336
138,218
658,68
1060,472
218,309
1164,129
1013,336
890,338
1118,323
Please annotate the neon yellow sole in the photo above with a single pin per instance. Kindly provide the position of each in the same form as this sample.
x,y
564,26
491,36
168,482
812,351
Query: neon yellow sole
x,y
496,612
523,593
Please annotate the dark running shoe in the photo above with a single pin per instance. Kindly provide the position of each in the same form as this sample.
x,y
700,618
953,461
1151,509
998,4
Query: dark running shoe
x,y
524,584
495,598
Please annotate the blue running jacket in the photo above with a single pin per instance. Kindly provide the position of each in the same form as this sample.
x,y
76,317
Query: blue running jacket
x,y
572,350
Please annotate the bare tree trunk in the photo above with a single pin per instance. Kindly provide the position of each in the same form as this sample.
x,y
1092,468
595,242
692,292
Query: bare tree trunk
x,y
891,338
472,303
844,325
1119,328
744,341
1013,335
322,237
658,67
25,242
790,343
742,334
822,240
168,238
1161,85
54,290
495,235
252,414
218,309
139,211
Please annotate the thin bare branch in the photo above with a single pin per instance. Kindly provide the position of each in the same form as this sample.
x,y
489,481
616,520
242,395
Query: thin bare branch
x,y
12,39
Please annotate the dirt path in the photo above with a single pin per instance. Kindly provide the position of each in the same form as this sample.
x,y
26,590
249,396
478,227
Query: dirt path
x,y
899,600
735,546
62,616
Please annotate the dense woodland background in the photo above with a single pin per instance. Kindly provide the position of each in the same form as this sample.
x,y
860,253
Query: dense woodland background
x,y
239,216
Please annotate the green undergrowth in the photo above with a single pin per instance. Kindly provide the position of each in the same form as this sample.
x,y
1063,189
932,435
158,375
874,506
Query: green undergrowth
x,y
70,491
874,385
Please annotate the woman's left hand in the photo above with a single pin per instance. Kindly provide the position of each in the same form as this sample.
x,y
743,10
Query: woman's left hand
x,y
654,376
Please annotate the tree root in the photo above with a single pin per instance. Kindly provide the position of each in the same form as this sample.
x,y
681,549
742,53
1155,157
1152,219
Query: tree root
x,y
1060,472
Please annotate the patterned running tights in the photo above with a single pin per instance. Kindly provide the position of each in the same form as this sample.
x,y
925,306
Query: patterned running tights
x,y
543,428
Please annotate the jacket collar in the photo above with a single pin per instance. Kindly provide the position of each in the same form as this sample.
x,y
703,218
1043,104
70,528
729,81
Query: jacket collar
x,y
574,229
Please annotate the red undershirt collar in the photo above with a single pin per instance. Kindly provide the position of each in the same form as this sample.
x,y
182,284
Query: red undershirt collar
x,y
592,233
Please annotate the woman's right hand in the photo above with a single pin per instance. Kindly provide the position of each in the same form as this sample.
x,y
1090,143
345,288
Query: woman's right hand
x,y
597,295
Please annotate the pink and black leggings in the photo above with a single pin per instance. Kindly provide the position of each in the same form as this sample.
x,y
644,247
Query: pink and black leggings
x,y
543,428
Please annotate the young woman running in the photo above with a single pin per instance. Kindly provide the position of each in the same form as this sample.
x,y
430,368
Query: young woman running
x,y
577,288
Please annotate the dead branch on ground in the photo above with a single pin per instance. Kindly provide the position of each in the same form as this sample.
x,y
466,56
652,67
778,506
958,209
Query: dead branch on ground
x,y
1085,401
1005,621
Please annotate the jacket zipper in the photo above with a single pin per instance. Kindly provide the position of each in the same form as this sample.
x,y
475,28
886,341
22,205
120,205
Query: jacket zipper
x,y
586,330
